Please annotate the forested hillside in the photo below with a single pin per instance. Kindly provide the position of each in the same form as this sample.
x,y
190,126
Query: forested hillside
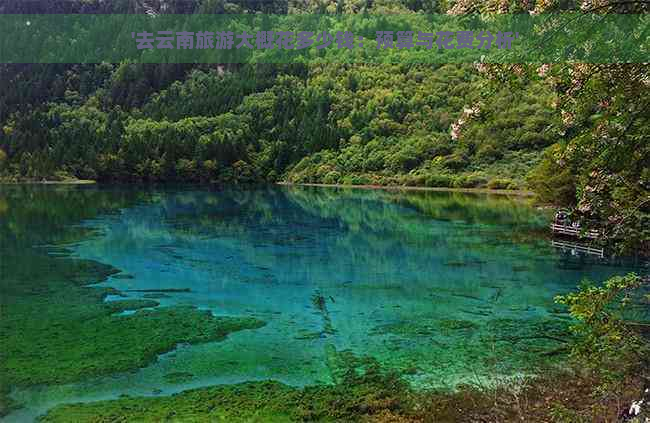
x,y
577,135
329,123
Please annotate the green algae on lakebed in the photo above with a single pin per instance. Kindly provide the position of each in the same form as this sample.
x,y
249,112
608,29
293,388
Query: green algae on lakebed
x,y
261,401
56,329
364,388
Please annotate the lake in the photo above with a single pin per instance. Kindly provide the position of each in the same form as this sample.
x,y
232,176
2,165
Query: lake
x,y
443,288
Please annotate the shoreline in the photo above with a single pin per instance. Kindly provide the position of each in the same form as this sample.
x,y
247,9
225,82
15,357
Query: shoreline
x,y
68,182
521,193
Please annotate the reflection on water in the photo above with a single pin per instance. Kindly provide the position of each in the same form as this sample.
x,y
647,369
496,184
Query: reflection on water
x,y
441,287
577,249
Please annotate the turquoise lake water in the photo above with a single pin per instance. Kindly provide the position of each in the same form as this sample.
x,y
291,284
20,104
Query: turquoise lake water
x,y
444,288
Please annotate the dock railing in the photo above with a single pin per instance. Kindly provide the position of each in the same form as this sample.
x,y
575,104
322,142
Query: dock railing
x,y
572,231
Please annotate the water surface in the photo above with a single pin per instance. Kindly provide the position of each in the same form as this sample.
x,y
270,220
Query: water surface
x,y
441,287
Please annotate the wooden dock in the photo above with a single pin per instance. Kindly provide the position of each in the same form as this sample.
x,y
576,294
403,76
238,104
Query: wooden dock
x,y
576,232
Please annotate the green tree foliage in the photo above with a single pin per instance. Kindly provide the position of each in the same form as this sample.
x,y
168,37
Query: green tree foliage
x,y
163,150
553,183
395,125
608,147
599,126
605,341
599,164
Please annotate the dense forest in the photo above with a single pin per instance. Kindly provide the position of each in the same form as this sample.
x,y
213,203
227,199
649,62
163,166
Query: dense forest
x,y
575,134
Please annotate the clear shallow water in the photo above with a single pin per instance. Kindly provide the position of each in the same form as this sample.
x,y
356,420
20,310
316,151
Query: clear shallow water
x,y
442,287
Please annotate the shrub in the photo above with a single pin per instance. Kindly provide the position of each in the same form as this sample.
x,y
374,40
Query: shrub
x,y
386,180
332,177
456,162
356,180
489,153
61,175
87,172
552,179
374,161
470,181
605,342
502,183
439,181
208,169
414,180
226,175
404,160
186,169
321,171
243,172
443,147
